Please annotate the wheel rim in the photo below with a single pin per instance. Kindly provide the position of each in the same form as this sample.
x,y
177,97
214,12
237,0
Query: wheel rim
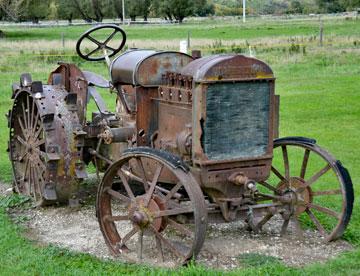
x,y
45,154
143,218
317,185
28,152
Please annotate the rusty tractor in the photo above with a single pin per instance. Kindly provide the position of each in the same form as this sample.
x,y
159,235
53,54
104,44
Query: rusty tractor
x,y
193,140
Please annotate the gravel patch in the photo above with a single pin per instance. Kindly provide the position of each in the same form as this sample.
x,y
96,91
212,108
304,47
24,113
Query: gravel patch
x,y
77,229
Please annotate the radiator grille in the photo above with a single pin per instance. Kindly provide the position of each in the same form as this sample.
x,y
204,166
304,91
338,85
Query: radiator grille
x,y
237,120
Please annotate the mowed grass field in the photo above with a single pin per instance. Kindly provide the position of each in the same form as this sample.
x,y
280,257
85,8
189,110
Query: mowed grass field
x,y
320,98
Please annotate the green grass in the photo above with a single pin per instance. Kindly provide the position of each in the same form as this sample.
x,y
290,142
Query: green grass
x,y
215,29
319,98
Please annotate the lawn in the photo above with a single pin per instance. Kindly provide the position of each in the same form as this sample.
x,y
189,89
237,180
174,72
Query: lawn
x,y
320,98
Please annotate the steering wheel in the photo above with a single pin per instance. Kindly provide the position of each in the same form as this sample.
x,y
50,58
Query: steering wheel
x,y
101,46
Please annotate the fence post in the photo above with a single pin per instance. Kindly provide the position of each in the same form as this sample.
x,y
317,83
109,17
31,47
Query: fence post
x,y
63,40
321,33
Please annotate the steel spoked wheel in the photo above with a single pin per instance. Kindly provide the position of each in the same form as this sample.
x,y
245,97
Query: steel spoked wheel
x,y
317,188
28,148
151,209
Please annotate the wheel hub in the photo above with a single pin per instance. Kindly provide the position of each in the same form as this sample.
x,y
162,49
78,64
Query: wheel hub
x,y
296,199
143,216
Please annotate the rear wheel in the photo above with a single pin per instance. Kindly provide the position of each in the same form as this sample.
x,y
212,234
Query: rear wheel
x,y
150,209
45,143
28,151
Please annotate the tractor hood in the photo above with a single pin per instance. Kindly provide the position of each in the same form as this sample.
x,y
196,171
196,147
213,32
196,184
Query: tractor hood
x,y
227,67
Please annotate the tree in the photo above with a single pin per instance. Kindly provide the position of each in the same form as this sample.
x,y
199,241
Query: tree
x,y
114,9
88,10
163,8
350,4
144,8
132,9
296,7
331,6
34,10
178,9
204,8
182,9
10,9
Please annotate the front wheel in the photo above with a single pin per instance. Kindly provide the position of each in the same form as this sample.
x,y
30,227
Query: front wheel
x,y
151,209
320,188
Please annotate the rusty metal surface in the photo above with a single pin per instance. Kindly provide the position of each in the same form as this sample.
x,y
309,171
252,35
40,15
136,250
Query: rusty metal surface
x,y
151,207
227,67
146,67
95,79
73,80
45,148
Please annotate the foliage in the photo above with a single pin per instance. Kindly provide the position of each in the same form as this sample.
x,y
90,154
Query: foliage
x,y
10,9
330,6
14,200
97,10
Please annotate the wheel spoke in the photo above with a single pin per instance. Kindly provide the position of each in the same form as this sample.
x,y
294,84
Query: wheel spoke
x,y
38,132
172,192
24,115
126,185
143,174
26,168
173,212
327,192
23,156
264,220
109,218
93,52
32,115
39,143
36,183
181,228
277,173
298,229
324,210
153,184
286,162
35,122
167,243
21,141
316,222
31,179
110,37
128,236
28,112
24,132
284,227
110,48
314,178
159,248
93,40
117,195
140,244
39,175
270,187
41,164
304,163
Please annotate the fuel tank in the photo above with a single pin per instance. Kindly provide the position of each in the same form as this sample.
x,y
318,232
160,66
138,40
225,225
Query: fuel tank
x,y
146,67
